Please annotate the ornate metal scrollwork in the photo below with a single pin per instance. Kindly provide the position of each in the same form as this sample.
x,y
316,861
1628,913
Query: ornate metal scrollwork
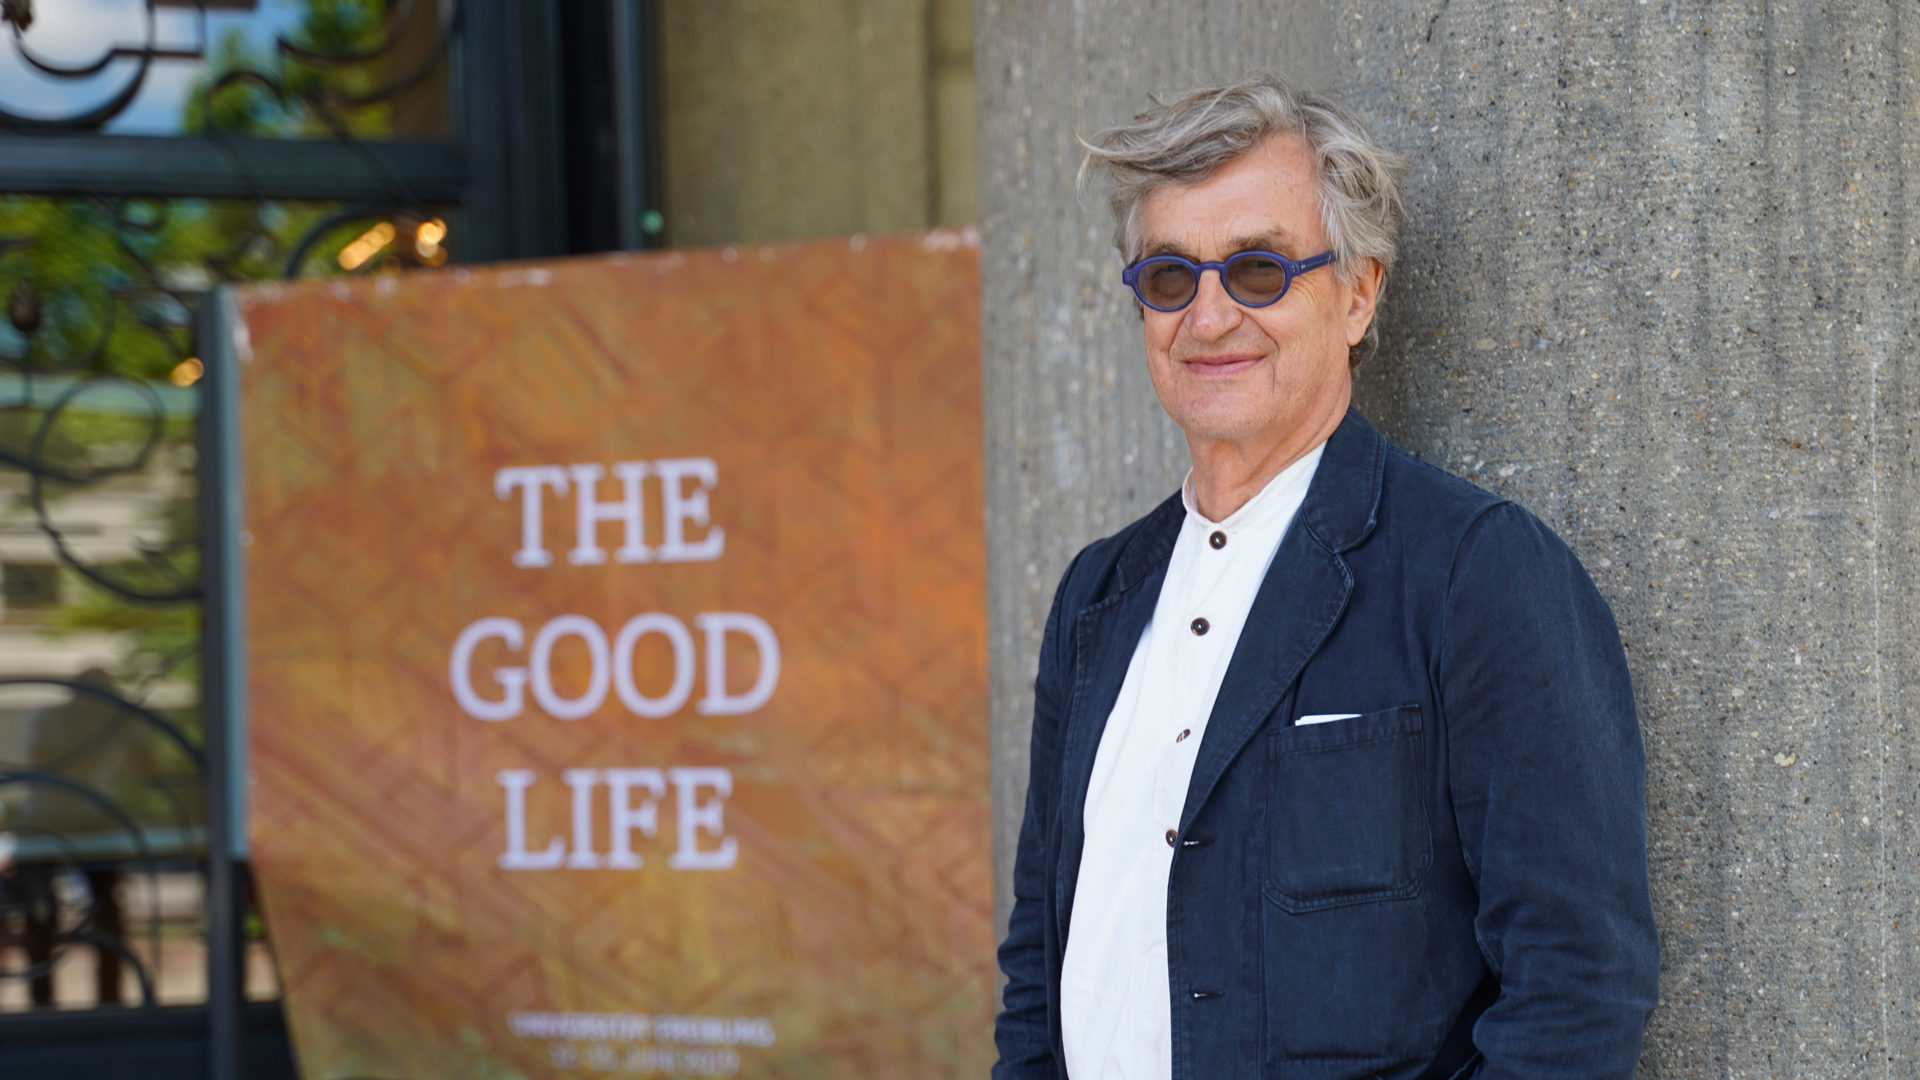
x,y
70,821
18,16
68,350
401,232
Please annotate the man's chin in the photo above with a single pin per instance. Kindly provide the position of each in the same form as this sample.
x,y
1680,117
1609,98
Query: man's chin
x,y
1231,429
1225,413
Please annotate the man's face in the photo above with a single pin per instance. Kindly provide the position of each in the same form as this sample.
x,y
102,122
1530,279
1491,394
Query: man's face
x,y
1255,376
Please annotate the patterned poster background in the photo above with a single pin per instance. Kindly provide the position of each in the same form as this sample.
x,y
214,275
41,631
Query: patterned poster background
x,y
813,890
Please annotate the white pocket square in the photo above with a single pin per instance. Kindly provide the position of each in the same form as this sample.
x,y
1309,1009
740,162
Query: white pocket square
x,y
1325,718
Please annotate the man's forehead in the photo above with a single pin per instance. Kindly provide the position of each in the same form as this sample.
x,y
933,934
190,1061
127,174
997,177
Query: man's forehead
x,y
1264,198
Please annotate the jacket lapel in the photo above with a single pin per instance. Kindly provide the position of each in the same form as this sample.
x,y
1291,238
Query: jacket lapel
x,y
1301,599
1299,602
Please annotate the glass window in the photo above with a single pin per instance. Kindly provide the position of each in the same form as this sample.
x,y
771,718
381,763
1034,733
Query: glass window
x,y
102,793
130,68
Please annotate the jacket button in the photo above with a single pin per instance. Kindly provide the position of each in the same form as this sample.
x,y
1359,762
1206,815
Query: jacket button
x,y
1172,837
1200,626
1218,540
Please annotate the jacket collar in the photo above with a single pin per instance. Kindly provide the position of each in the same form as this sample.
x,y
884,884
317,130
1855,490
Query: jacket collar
x,y
1341,507
1343,503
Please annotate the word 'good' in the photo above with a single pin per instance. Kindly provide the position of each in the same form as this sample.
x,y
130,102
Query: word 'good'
x,y
611,665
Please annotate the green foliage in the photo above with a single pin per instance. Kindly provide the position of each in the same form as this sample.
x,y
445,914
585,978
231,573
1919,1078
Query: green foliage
x,y
243,107
255,107
97,308
105,288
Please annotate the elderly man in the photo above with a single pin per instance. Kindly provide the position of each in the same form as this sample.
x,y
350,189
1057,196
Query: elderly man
x,y
1335,767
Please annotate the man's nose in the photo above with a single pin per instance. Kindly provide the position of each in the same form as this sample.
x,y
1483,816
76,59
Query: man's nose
x,y
1213,314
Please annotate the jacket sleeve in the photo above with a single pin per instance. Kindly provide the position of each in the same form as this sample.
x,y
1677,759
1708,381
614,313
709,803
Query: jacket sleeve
x,y
1022,1031
1548,783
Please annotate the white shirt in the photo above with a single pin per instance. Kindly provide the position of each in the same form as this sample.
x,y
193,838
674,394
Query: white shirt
x,y
1115,1012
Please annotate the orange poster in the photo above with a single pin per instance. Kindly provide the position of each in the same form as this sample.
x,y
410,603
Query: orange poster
x,y
617,664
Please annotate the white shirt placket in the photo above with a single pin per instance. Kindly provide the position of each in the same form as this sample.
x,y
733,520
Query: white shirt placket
x,y
1115,1010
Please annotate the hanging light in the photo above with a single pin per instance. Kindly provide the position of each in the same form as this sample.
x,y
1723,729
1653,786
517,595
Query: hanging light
x,y
427,237
366,246
187,372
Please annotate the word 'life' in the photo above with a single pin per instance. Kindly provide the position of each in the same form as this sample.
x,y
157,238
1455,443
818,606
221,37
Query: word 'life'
x,y
633,806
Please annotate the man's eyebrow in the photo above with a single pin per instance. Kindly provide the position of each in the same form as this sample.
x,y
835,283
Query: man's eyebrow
x,y
1275,239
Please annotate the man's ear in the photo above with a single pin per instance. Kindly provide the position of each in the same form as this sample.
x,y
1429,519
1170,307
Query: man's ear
x,y
1364,296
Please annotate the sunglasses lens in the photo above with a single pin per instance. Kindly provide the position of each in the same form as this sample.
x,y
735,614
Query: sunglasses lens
x,y
1255,279
1167,284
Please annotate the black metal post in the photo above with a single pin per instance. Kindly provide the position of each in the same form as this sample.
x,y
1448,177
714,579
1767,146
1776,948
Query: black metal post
x,y
634,121
222,685
509,120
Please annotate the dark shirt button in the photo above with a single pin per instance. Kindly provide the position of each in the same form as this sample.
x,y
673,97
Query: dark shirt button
x,y
1218,540
1171,837
1182,737
1200,626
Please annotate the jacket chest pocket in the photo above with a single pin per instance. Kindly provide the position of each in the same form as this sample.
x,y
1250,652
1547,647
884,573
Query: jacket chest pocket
x,y
1347,813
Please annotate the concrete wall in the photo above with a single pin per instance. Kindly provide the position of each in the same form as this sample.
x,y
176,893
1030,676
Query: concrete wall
x,y
1660,286
784,119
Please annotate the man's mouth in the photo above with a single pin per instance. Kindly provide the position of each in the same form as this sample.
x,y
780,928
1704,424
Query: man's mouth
x,y
1217,366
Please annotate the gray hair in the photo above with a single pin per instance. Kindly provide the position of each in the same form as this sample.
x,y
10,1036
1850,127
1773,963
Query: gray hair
x,y
1189,139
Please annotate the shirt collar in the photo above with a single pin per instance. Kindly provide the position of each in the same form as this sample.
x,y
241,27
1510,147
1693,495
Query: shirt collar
x,y
1278,500
1340,509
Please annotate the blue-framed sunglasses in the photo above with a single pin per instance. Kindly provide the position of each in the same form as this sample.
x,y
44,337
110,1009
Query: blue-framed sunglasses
x,y
1254,278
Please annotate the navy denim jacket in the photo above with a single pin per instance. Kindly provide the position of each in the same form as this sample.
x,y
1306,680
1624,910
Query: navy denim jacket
x,y
1452,884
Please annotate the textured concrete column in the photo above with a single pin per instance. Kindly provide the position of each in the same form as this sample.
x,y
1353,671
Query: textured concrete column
x,y
1661,286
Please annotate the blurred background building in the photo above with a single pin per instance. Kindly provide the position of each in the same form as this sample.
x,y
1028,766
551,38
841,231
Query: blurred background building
x,y
151,150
